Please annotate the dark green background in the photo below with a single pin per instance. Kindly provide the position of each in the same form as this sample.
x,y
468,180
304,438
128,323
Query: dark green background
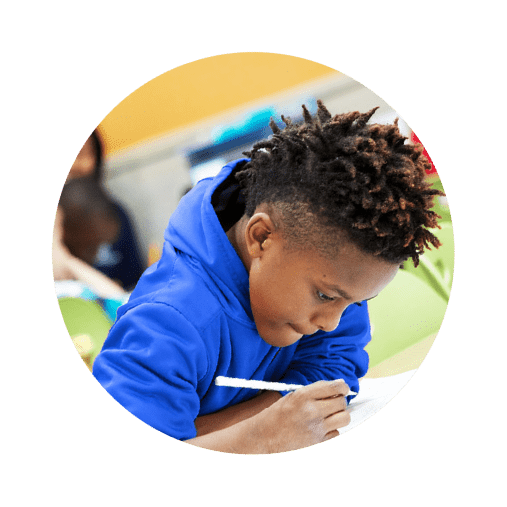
x,y
65,441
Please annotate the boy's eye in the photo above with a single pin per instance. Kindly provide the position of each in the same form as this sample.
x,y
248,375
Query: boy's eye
x,y
323,297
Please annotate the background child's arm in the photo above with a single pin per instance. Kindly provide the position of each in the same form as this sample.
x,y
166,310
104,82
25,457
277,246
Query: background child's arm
x,y
232,415
305,417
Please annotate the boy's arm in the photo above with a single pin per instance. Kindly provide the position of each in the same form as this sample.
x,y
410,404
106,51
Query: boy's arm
x,y
305,417
325,356
151,363
232,415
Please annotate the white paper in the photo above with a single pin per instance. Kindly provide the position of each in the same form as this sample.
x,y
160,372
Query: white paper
x,y
374,393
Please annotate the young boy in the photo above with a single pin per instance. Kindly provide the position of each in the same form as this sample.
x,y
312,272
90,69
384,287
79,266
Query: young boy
x,y
265,274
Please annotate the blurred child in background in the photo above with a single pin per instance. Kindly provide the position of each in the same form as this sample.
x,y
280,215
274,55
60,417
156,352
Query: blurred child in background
x,y
85,219
118,258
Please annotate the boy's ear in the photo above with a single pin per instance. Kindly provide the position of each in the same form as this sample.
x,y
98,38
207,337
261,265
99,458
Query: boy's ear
x,y
258,234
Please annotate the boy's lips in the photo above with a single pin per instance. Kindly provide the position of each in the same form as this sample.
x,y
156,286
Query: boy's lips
x,y
300,331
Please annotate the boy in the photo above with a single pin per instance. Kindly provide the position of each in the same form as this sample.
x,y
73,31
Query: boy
x,y
264,275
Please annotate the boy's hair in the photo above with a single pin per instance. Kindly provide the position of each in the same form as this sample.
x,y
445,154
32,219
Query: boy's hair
x,y
341,173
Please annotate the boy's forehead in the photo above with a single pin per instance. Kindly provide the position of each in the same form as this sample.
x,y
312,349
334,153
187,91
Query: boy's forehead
x,y
326,248
353,274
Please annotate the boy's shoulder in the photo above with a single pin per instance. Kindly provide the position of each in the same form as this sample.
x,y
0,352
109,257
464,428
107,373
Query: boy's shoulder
x,y
186,292
199,274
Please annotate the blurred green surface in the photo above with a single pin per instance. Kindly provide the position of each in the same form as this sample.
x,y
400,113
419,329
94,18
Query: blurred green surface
x,y
407,311
84,318
436,266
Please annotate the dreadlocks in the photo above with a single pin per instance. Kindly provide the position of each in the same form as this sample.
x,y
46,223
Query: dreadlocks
x,y
341,173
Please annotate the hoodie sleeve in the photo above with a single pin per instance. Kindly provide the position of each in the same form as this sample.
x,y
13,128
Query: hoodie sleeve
x,y
151,364
334,355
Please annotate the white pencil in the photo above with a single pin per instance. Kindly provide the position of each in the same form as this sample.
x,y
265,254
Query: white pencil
x,y
260,384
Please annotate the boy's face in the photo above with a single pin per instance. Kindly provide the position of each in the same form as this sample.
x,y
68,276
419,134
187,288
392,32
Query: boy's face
x,y
299,292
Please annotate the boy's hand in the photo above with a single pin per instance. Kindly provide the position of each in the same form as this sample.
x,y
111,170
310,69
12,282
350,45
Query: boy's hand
x,y
310,415
305,417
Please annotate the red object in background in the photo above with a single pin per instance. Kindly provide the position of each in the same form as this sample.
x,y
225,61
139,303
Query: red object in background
x,y
415,140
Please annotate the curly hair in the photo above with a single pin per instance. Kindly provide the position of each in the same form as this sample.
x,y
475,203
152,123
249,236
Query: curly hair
x,y
342,173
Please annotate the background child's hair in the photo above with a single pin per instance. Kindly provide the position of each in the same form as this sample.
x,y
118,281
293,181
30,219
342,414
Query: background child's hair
x,y
98,151
342,173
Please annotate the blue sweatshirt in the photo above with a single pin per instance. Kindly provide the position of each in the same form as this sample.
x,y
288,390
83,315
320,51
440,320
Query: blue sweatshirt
x,y
189,320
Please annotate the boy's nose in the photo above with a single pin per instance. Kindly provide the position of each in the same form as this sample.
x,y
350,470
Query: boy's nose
x,y
328,320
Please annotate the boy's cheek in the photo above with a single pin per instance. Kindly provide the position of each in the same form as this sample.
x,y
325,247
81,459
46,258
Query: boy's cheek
x,y
278,335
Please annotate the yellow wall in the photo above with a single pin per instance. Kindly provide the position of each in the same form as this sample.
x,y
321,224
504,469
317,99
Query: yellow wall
x,y
201,89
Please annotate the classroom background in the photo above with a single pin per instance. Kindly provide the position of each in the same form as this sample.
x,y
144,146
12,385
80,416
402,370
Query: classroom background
x,y
185,125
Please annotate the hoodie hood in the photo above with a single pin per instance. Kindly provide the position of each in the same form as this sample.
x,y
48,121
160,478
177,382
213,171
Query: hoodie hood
x,y
195,230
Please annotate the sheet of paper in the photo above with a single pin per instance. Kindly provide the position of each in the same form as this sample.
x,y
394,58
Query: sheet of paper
x,y
374,393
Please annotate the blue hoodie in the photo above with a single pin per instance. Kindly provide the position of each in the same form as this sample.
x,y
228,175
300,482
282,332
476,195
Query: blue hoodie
x,y
189,320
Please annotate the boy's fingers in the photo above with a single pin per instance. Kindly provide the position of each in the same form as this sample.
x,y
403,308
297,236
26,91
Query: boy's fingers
x,y
339,420
331,434
326,389
332,405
